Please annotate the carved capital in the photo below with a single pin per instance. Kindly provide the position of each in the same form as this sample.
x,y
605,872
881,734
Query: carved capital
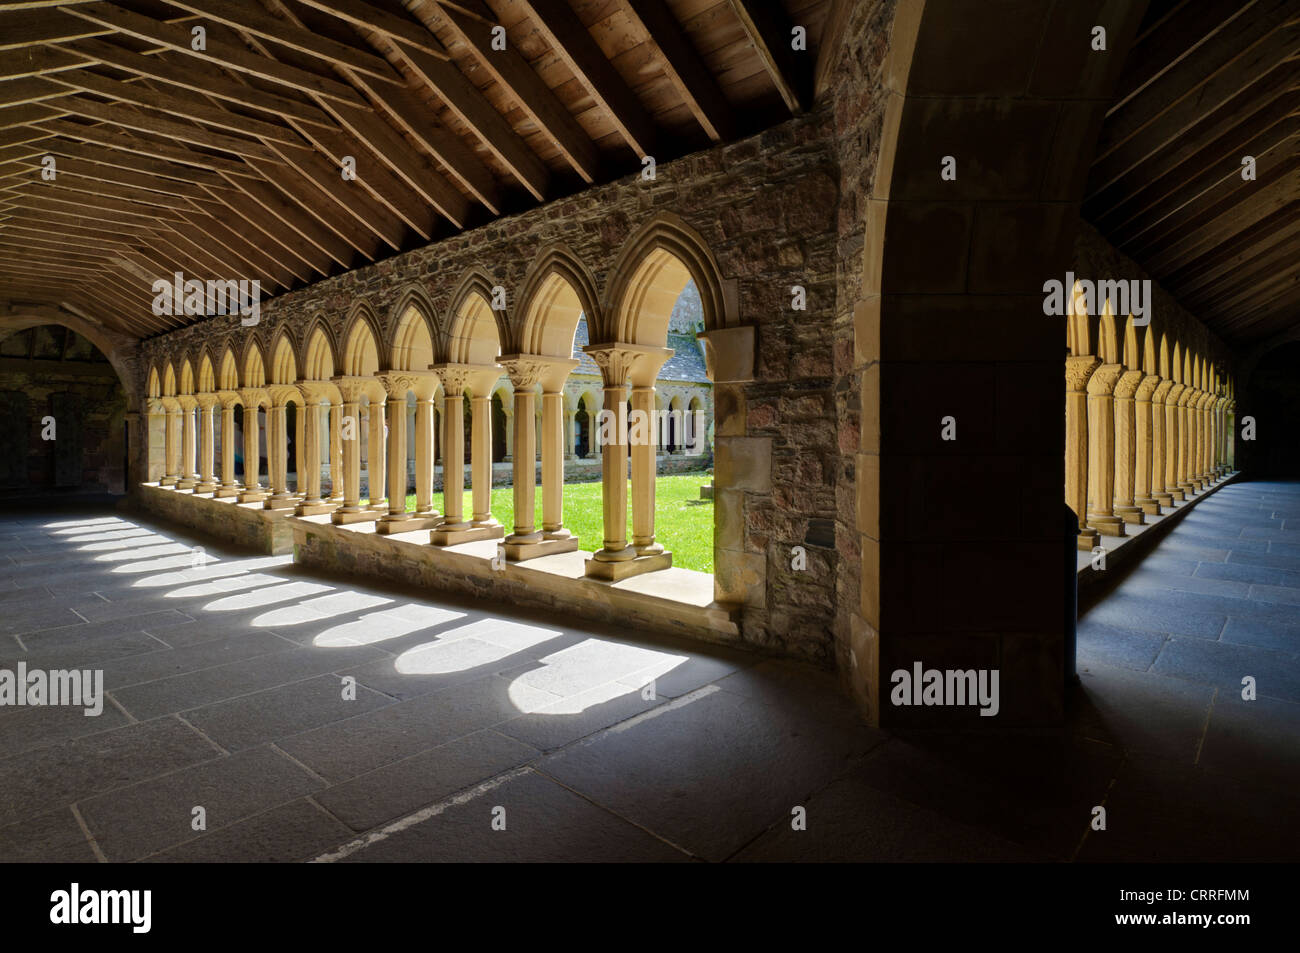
x,y
1185,396
1078,370
171,405
206,401
352,389
156,406
525,370
1147,387
1174,394
316,392
1162,390
228,398
396,383
1103,380
281,394
456,378
253,396
186,401
635,364
1127,385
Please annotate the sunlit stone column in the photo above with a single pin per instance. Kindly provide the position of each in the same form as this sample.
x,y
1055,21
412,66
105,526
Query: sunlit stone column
x,y
454,528
1101,451
229,485
1186,438
189,477
1125,506
376,469
526,373
509,413
315,394
207,402
644,441
1207,438
171,441
336,451
348,480
426,387
570,433
620,365
1173,441
1078,370
277,455
396,384
155,424
252,398
1146,430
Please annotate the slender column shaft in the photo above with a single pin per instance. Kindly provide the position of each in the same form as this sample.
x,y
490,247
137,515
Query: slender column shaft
x,y
644,471
613,468
205,445
396,456
1173,419
277,426
309,454
453,462
553,443
375,469
481,459
351,472
228,447
525,463
338,474
171,451
424,456
252,449
187,445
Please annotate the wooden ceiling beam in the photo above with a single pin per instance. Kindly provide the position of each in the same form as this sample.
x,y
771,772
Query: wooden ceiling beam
x,y
574,45
115,138
770,33
39,61
131,118
392,25
280,242
685,68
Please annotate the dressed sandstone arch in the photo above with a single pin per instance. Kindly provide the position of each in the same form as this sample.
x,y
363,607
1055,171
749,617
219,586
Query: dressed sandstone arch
x,y
558,292
469,364
319,360
411,353
282,388
357,382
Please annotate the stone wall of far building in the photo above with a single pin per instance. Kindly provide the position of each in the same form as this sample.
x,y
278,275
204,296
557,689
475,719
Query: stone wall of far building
x,y
766,207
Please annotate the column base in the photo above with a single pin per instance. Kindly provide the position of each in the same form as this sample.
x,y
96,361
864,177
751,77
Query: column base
x,y
518,552
1088,540
168,481
226,491
406,524
466,533
282,503
1130,514
205,488
1177,494
1149,506
186,484
1189,489
614,571
1107,525
254,496
314,509
344,517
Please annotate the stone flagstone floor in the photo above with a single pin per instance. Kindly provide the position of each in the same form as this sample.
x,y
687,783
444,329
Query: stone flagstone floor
x,y
226,691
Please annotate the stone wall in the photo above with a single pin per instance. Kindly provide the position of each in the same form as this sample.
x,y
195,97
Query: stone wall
x,y
766,207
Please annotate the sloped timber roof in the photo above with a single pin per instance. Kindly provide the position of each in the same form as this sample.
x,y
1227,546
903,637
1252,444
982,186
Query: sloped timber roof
x,y
226,162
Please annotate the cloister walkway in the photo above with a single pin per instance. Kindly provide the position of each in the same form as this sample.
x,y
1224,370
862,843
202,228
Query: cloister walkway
x,y
227,673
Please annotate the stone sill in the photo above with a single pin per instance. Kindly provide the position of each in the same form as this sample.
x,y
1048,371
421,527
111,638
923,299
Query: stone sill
x,y
1123,552
675,600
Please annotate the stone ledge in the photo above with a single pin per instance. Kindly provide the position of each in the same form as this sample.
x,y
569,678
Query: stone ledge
x,y
1126,552
244,524
674,601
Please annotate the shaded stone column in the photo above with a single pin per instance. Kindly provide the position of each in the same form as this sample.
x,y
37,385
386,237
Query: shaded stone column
x,y
336,450
376,469
207,403
277,455
189,477
252,398
229,485
171,441
454,528
348,479
1125,506
1078,370
619,365
1101,451
509,413
644,440
1173,441
396,384
1149,420
426,387
1221,418
570,432
526,373
1207,438
156,426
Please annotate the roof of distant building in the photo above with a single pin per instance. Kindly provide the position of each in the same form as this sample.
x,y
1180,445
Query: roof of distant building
x,y
686,364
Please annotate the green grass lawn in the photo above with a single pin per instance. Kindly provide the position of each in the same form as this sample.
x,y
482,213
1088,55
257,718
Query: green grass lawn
x,y
683,522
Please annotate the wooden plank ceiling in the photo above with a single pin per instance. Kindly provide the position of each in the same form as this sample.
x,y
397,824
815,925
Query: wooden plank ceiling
x,y
225,163
1208,83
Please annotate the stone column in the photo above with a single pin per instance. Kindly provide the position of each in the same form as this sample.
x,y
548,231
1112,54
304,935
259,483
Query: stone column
x,y
396,384
337,475
1185,441
1158,491
376,469
454,528
189,478
1078,369
1125,506
426,387
526,373
1101,451
171,443
277,457
252,398
570,432
315,394
347,479
621,364
1207,438
1144,461
1173,442
206,483
511,432
229,485
1221,417
644,451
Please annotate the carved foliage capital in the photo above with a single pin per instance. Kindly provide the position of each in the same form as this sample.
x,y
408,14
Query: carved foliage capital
x,y
1078,370
1146,387
1127,385
1103,380
1161,391
228,398
252,397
